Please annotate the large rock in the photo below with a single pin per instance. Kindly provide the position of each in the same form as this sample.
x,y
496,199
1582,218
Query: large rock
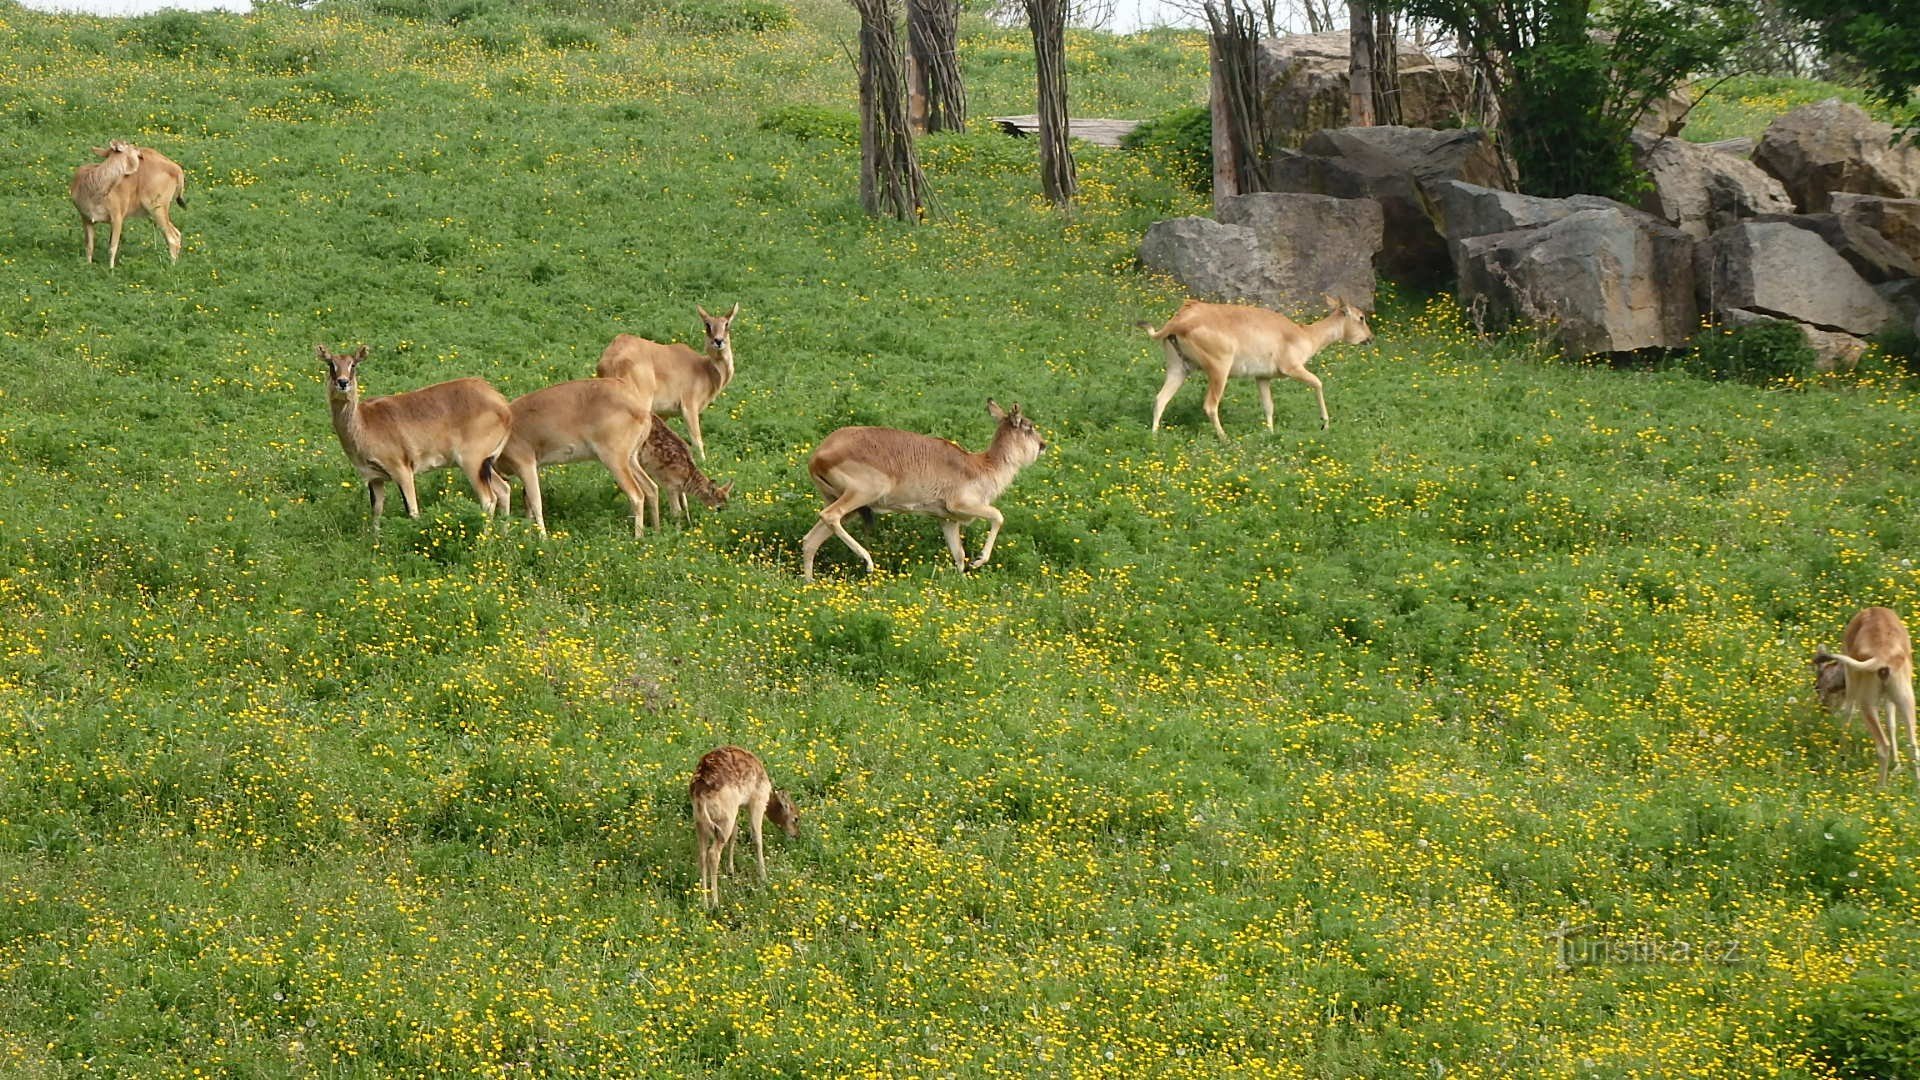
x,y
1896,219
1608,279
1871,255
1304,85
1315,245
1830,146
1389,165
1280,251
1699,190
1777,269
1832,350
1740,146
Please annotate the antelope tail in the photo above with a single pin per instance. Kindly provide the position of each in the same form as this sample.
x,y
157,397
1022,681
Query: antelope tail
x,y
1869,666
180,193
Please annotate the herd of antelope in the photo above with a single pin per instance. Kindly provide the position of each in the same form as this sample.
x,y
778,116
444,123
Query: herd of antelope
x,y
616,418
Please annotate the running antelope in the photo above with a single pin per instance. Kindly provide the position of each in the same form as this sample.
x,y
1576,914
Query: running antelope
x,y
872,469
726,780
1226,341
1873,676
665,459
573,421
128,181
677,380
397,437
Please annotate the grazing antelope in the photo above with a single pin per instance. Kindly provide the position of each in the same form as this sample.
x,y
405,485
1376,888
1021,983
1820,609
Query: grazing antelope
x,y
677,380
726,780
573,421
464,422
129,181
664,457
1873,675
890,471
1236,341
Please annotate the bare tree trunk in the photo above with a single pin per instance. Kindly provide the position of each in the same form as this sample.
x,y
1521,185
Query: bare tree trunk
x,y
1360,63
933,36
1319,16
891,182
1226,163
1047,19
1240,145
1386,66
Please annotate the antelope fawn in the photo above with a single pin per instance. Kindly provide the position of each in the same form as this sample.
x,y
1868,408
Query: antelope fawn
x,y
1873,677
726,780
1226,341
891,471
675,379
664,456
464,422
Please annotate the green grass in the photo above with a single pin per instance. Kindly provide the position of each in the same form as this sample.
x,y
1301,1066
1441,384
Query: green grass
x,y
1279,757
1745,104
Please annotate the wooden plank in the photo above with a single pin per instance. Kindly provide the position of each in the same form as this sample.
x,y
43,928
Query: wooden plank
x,y
1099,132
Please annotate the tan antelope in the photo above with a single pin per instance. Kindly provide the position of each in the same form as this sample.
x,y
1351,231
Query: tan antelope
x,y
676,379
726,780
1873,677
464,422
665,459
129,181
871,469
603,419
1226,341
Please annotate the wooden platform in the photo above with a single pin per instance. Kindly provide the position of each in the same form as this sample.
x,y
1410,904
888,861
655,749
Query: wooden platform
x,y
1097,132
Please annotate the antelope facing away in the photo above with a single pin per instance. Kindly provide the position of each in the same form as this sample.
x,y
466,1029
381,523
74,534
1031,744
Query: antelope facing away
x,y
573,421
464,422
1873,676
664,457
675,379
127,182
726,780
886,470
1237,341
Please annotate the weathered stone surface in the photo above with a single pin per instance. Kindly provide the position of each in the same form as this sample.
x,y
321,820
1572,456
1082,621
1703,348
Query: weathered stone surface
x,y
1834,351
1896,219
1903,297
1315,245
1304,86
1388,164
1610,279
1699,190
1667,115
1741,147
1778,269
1831,146
1281,251
1871,255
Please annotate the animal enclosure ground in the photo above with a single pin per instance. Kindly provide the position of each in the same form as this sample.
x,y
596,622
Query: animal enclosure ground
x,y
1284,757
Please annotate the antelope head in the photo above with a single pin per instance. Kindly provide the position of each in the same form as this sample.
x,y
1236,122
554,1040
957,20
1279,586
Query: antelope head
x,y
343,372
1017,433
781,810
715,498
1353,322
719,341
121,154
1829,680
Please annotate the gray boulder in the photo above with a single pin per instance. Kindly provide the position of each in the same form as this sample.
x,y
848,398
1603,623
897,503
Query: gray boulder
x,y
1871,255
1780,270
1896,219
1699,190
1740,147
1607,278
1280,251
1830,146
1389,165
1315,245
1304,86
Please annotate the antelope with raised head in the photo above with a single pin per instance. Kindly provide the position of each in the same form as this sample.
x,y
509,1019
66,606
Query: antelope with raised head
x,y
128,181
666,460
1872,676
726,780
1225,341
464,422
603,419
885,470
675,379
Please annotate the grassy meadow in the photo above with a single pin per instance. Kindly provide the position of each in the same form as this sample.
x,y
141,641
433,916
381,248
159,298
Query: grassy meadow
x,y
1284,757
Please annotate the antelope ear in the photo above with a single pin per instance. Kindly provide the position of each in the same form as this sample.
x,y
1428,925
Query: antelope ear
x,y
726,489
704,317
735,311
994,410
359,354
321,352
1333,302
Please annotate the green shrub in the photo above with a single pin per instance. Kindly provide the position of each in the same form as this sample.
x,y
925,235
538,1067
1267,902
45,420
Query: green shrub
x,y
1759,353
809,122
1868,1027
176,34
729,16
1181,142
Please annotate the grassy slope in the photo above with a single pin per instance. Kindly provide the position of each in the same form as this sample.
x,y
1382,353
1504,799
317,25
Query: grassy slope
x,y
1270,758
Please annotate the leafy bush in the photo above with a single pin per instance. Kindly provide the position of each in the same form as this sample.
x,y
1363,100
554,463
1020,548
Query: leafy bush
x,y
175,34
1758,353
1868,1027
809,122
1181,142
730,16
